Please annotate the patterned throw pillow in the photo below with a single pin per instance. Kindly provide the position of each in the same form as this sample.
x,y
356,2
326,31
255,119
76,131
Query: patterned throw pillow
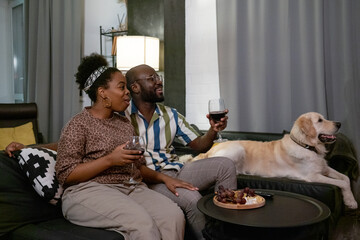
x,y
39,166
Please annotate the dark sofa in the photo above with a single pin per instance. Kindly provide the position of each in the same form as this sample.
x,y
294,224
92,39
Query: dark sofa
x,y
25,215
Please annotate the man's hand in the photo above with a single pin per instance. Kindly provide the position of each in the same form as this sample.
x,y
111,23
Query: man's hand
x,y
173,183
220,125
152,176
203,143
14,146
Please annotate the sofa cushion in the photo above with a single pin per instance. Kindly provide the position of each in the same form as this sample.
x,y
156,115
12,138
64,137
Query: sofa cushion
x,y
19,203
38,164
59,229
22,133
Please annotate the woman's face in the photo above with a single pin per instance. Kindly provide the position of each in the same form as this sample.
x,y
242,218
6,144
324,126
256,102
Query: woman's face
x,y
117,92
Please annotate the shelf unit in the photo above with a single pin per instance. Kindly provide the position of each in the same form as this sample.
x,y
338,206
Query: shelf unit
x,y
110,34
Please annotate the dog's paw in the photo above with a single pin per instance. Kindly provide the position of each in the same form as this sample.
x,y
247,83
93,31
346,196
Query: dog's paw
x,y
351,204
186,158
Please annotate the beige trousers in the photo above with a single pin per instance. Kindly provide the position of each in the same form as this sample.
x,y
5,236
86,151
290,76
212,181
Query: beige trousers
x,y
136,212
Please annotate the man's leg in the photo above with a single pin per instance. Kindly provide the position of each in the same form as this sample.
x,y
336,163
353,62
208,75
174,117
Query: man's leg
x,y
202,174
207,172
168,216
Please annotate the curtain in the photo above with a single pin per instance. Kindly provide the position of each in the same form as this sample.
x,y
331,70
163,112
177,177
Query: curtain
x,y
281,58
54,50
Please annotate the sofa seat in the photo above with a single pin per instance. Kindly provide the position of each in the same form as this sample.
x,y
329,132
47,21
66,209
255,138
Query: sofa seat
x,y
60,229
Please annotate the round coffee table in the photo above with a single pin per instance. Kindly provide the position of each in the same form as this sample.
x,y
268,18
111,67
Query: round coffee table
x,y
284,216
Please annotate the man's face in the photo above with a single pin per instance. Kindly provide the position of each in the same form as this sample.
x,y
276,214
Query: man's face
x,y
150,84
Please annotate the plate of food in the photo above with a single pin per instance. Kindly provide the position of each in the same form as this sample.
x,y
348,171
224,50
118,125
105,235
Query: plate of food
x,y
238,199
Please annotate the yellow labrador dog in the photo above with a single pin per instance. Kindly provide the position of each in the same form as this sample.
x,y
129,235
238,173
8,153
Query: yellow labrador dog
x,y
298,155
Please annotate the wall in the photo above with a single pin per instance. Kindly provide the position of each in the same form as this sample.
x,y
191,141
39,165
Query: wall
x,y
191,71
7,87
100,13
190,45
202,75
200,62
165,20
174,31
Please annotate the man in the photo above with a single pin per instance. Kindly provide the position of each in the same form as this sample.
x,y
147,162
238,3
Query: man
x,y
159,125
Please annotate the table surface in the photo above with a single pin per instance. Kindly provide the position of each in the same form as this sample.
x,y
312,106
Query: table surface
x,y
284,209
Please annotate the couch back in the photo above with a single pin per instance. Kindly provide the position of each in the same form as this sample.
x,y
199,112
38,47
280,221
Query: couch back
x,y
253,136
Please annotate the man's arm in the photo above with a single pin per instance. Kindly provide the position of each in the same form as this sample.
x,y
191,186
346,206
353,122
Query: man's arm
x,y
203,143
14,146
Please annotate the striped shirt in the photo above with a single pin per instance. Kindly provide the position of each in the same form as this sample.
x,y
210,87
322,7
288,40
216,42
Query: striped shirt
x,y
165,124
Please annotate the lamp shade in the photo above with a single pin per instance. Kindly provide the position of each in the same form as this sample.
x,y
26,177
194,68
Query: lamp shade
x,y
136,50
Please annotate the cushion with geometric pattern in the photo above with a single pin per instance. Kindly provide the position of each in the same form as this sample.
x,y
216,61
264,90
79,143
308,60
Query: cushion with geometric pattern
x,y
39,166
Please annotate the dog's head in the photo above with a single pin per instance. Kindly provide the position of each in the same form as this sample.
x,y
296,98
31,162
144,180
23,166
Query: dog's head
x,y
313,129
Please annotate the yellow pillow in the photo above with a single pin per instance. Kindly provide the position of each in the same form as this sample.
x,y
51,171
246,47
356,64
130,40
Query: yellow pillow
x,y
23,134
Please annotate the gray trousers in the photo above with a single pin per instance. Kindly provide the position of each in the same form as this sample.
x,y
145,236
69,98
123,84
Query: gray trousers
x,y
136,212
202,174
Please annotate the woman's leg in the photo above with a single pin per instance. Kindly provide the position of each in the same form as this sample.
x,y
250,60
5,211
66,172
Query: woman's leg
x,y
105,206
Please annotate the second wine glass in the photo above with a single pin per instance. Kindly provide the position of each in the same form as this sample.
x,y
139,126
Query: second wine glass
x,y
135,143
217,111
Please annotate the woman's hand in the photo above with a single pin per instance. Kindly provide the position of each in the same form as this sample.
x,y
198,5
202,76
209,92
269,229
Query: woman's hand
x,y
14,146
121,156
118,157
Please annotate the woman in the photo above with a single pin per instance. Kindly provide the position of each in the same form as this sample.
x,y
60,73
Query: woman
x,y
93,165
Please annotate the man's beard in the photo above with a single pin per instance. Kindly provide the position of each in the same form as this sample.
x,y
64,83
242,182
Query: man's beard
x,y
152,97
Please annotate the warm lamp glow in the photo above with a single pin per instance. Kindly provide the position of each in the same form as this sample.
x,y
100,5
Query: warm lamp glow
x,y
136,50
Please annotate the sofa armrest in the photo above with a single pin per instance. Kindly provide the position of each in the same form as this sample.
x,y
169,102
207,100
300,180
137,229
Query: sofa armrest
x,y
342,157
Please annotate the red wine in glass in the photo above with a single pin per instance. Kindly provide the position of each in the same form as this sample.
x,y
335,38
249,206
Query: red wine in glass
x,y
216,116
216,112
142,150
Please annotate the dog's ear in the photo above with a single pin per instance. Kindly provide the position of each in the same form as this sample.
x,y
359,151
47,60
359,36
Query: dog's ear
x,y
307,127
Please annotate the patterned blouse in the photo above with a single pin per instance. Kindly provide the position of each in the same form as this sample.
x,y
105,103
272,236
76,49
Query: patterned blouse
x,y
86,138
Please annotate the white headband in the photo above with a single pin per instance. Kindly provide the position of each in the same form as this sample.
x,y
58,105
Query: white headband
x,y
91,79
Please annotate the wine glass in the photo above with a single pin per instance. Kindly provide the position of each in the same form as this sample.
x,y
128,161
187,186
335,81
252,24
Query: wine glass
x,y
135,143
216,112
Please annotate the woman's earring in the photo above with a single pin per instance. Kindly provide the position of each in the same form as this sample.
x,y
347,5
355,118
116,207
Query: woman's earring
x,y
107,102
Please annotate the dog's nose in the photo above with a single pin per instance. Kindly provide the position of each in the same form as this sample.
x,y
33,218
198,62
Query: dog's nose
x,y
338,124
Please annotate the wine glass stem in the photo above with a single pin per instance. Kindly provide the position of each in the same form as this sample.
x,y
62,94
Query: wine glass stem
x,y
132,170
219,136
